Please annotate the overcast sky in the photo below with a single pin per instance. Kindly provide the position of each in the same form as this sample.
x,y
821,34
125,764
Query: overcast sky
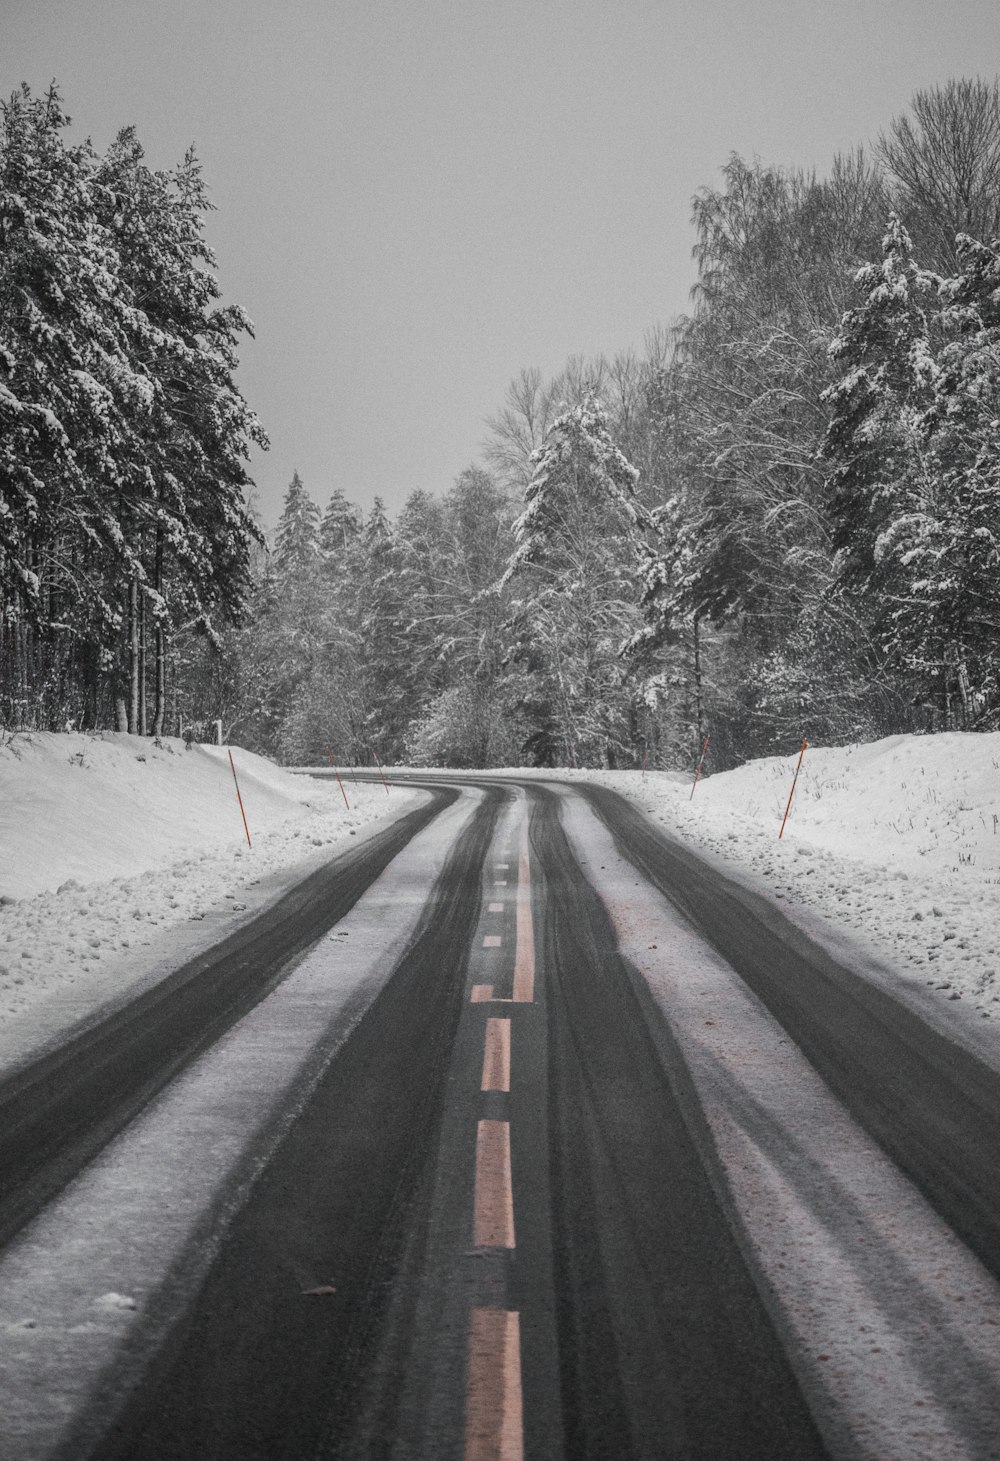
x,y
416,199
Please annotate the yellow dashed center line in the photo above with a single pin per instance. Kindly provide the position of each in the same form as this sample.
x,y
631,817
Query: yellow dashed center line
x,y
524,957
494,1426
493,1212
496,1056
494,1423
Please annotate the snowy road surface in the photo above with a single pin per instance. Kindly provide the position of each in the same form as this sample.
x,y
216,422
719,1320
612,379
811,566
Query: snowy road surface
x,y
523,1134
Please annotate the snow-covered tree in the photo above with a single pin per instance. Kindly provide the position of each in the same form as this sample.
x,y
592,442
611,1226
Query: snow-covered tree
x,y
575,600
295,540
71,397
884,494
954,549
338,529
736,588
192,530
124,439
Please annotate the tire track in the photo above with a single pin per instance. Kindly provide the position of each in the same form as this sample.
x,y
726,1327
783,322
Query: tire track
x,y
60,1111
267,1362
931,1105
673,1353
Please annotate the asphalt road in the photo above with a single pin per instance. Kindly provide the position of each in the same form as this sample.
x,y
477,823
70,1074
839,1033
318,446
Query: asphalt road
x,y
931,1105
56,1114
506,1224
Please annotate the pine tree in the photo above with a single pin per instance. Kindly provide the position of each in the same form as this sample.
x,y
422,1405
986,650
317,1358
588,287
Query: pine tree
x,y
884,496
383,624
573,551
71,397
124,441
339,528
296,543
955,556
191,528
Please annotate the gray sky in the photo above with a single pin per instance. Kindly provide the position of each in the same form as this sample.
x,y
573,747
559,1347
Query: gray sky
x,y
417,199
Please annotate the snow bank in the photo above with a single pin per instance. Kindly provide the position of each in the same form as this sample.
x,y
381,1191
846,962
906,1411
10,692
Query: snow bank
x,y
895,844
120,858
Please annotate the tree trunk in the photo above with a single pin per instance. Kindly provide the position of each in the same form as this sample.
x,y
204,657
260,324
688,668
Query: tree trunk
x,y
142,665
90,689
965,693
133,656
699,712
946,688
160,706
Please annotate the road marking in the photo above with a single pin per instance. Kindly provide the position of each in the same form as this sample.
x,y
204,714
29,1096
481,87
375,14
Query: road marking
x,y
493,1214
524,957
502,867
494,1427
495,908
496,1056
499,882
491,941
481,993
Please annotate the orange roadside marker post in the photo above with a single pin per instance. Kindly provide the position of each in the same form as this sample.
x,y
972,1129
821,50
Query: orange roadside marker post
x,y
337,775
240,799
795,778
381,772
697,769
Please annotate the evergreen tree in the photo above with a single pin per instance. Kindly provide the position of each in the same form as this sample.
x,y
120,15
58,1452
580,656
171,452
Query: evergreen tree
x,y
383,624
124,439
579,594
296,544
339,528
192,531
74,402
884,496
954,556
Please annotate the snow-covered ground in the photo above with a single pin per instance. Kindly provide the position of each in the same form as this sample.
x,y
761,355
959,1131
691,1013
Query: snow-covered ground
x,y
120,858
895,845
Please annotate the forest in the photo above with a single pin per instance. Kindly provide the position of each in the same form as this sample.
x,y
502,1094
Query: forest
x,y
779,519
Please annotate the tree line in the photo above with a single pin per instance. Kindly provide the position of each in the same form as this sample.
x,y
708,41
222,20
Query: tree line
x,y
124,527
780,518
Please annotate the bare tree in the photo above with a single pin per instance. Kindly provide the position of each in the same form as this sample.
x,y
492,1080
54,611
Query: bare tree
x,y
944,165
520,427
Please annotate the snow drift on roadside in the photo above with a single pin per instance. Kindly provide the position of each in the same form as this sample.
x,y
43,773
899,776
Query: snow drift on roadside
x,y
98,807
119,858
